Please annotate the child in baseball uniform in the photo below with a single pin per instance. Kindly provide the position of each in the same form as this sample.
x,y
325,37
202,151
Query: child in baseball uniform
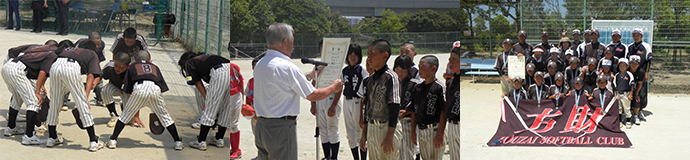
x,y
249,92
529,77
402,68
639,75
550,76
623,83
327,112
197,95
559,89
517,93
223,97
453,105
21,75
383,105
538,91
128,41
144,84
353,75
602,95
589,74
572,71
578,90
65,76
115,73
428,107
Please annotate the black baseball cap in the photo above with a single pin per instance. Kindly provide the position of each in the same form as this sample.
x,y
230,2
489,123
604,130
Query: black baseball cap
x,y
507,40
544,33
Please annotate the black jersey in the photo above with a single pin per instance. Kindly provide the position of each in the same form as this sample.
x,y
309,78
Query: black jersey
x,y
538,92
87,59
352,79
453,98
199,67
115,79
383,97
141,71
36,62
428,102
524,48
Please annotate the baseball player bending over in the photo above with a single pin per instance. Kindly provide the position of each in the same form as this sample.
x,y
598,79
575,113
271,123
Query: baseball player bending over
x,y
65,77
20,75
115,72
223,97
144,84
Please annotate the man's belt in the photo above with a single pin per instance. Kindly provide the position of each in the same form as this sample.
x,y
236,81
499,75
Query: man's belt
x,y
283,117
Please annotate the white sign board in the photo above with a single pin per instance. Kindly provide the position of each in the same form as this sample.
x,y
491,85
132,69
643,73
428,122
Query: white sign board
x,y
516,67
334,53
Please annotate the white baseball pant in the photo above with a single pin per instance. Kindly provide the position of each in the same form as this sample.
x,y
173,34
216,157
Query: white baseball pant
x,y
109,91
426,143
65,76
146,93
22,88
376,133
453,140
624,104
351,115
406,149
328,126
219,103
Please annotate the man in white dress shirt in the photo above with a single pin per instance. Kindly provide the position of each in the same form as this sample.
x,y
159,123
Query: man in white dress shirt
x,y
280,84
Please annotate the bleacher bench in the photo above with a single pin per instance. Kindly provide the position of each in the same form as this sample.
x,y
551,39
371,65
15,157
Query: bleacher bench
x,y
482,70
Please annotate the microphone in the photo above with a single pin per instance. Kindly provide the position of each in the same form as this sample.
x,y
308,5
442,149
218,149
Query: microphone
x,y
306,60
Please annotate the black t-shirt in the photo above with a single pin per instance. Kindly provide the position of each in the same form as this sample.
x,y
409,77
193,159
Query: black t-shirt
x,y
352,79
453,98
115,79
199,67
570,74
428,103
140,71
624,81
36,62
88,60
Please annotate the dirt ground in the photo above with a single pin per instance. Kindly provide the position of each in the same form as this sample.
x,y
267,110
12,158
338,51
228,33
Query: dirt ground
x,y
139,143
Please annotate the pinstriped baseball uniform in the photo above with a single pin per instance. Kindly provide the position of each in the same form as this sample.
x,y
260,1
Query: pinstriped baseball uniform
x,y
222,101
20,77
30,48
144,81
114,86
382,101
352,81
453,116
407,148
65,76
428,103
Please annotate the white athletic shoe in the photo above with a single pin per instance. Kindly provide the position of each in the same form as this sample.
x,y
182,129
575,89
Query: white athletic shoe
x,y
112,144
95,146
641,116
196,125
198,145
40,130
52,142
637,120
178,145
217,142
17,130
113,120
33,140
64,108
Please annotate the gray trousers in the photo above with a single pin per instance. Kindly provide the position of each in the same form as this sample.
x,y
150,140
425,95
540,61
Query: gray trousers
x,y
276,139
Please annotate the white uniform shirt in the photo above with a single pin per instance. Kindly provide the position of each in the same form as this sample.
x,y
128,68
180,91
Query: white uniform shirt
x,y
278,84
